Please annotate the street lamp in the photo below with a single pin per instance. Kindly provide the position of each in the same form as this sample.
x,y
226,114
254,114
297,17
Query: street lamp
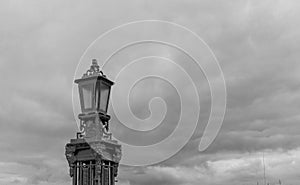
x,y
93,157
94,90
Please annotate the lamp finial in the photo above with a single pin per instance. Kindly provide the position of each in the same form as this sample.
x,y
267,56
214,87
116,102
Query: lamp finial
x,y
94,69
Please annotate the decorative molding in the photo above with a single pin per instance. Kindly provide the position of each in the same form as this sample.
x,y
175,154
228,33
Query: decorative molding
x,y
71,158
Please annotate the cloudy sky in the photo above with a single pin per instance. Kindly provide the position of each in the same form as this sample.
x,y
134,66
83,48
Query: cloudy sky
x,y
255,42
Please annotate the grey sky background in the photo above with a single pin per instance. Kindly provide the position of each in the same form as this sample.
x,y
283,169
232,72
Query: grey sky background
x,y
256,43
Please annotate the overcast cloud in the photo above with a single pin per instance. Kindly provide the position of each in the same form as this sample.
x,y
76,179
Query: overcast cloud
x,y
256,43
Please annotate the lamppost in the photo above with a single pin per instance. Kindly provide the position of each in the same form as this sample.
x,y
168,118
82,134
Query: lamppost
x,y
93,157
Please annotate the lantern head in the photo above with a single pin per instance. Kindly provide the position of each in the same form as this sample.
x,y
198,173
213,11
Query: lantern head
x,y
94,90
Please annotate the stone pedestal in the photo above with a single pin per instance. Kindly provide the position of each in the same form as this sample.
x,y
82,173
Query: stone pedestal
x,y
93,162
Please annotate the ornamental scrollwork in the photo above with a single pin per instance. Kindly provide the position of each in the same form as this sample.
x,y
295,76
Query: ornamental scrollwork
x,y
94,70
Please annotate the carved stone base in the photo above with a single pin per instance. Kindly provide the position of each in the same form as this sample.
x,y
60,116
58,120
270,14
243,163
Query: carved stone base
x,y
87,159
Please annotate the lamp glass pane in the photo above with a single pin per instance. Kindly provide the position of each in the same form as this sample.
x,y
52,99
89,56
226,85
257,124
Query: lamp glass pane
x,y
104,93
97,95
87,94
